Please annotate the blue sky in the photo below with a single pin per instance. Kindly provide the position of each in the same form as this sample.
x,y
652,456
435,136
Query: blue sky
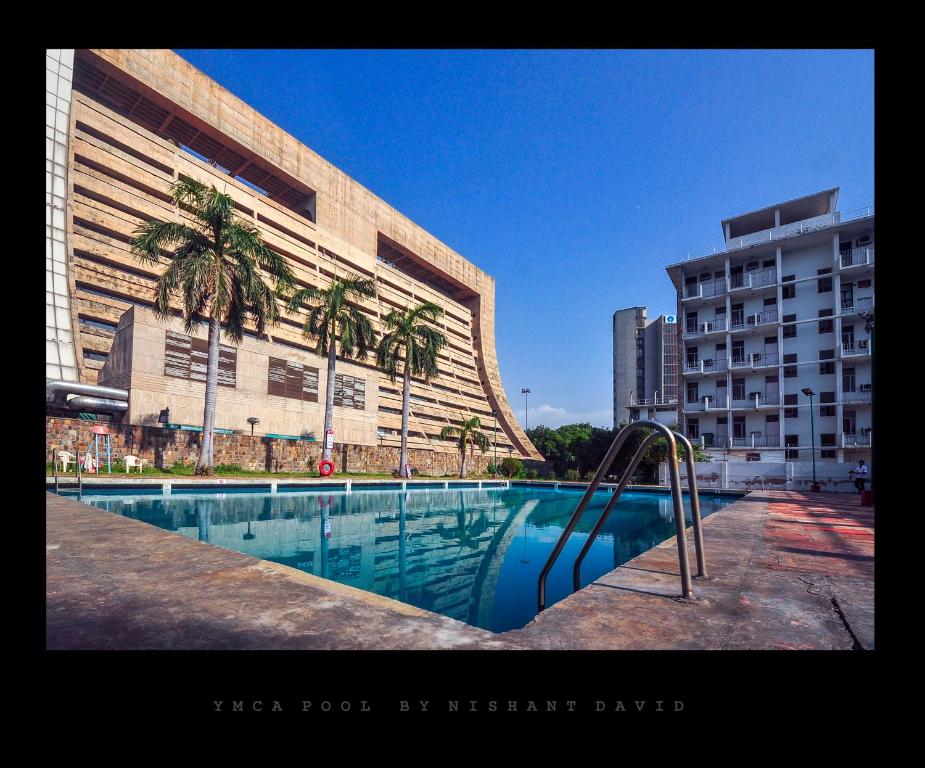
x,y
572,177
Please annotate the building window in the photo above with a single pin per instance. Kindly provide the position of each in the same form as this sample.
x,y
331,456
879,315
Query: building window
x,y
825,283
826,368
827,440
826,354
293,380
826,397
693,428
790,331
770,301
790,372
791,413
826,410
349,392
791,358
791,441
863,283
789,291
827,454
848,381
186,357
793,399
826,326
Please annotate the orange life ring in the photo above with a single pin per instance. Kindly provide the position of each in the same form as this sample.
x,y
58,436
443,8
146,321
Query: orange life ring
x,y
326,467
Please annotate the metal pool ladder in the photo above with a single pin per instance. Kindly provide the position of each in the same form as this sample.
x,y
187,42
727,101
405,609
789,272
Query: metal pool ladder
x,y
677,503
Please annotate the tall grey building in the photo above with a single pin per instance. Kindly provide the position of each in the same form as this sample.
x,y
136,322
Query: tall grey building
x,y
645,367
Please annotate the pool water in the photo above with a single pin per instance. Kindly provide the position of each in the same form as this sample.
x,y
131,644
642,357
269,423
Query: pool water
x,y
471,554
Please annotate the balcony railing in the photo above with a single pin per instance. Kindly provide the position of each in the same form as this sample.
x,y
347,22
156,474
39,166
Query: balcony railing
x,y
741,321
710,326
864,439
714,440
752,279
860,395
855,348
765,359
779,233
657,400
705,366
705,290
857,257
859,304
756,441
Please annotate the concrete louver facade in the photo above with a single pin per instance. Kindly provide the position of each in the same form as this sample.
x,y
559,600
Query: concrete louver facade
x,y
138,119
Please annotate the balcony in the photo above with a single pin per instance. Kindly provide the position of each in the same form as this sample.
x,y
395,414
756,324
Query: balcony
x,y
756,441
706,367
713,440
754,360
756,400
862,440
857,257
706,328
858,304
863,395
753,281
708,289
657,400
859,348
742,322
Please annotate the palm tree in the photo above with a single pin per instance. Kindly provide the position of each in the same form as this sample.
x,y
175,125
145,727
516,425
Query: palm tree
x,y
216,271
333,314
418,343
468,435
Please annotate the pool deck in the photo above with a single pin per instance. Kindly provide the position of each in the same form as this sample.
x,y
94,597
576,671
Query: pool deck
x,y
787,570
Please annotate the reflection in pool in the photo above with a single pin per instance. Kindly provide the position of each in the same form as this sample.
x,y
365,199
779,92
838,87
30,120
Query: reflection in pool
x,y
474,555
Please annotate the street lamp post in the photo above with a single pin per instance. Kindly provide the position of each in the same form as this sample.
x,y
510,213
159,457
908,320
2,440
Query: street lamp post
x,y
812,436
525,391
868,318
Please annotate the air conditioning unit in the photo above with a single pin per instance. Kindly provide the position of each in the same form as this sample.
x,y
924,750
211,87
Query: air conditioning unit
x,y
865,430
864,388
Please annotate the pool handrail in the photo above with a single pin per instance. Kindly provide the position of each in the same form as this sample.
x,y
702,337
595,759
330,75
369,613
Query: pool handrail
x,y
677,504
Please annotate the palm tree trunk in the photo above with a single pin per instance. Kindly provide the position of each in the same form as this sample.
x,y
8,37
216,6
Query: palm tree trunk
x,y
462,467
405,409
205,464
329,399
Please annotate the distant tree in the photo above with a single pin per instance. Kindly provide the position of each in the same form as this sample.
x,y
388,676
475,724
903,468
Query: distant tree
x,y
469,435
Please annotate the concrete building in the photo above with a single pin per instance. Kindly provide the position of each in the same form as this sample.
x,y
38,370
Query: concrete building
x,y
645,367
779,310
121,126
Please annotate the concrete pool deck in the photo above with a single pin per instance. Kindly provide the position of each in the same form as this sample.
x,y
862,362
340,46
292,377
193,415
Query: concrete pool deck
x,y
787,570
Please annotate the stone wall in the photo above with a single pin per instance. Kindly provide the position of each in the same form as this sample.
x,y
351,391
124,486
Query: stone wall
x,y
162,447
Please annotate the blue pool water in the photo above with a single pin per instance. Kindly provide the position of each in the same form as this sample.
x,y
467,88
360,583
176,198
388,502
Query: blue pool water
x,y
471,554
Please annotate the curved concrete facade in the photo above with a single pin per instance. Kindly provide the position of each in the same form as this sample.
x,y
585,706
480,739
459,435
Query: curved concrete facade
x,y
134,116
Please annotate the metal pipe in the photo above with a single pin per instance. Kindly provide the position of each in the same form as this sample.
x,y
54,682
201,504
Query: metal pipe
x,y
81,403
695,505
54,464
592,487
624,481
55,387
680,527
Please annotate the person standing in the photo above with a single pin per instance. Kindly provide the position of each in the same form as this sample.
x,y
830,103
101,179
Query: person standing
x,y
860,475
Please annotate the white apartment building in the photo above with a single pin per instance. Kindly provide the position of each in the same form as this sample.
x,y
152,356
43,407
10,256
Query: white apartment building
x,y
781,309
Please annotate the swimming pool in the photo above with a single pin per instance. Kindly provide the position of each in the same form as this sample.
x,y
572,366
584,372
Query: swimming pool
x,y
471,554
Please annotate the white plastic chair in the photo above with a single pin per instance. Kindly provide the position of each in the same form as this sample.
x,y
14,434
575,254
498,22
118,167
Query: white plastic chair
x,y
134,461
65,458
